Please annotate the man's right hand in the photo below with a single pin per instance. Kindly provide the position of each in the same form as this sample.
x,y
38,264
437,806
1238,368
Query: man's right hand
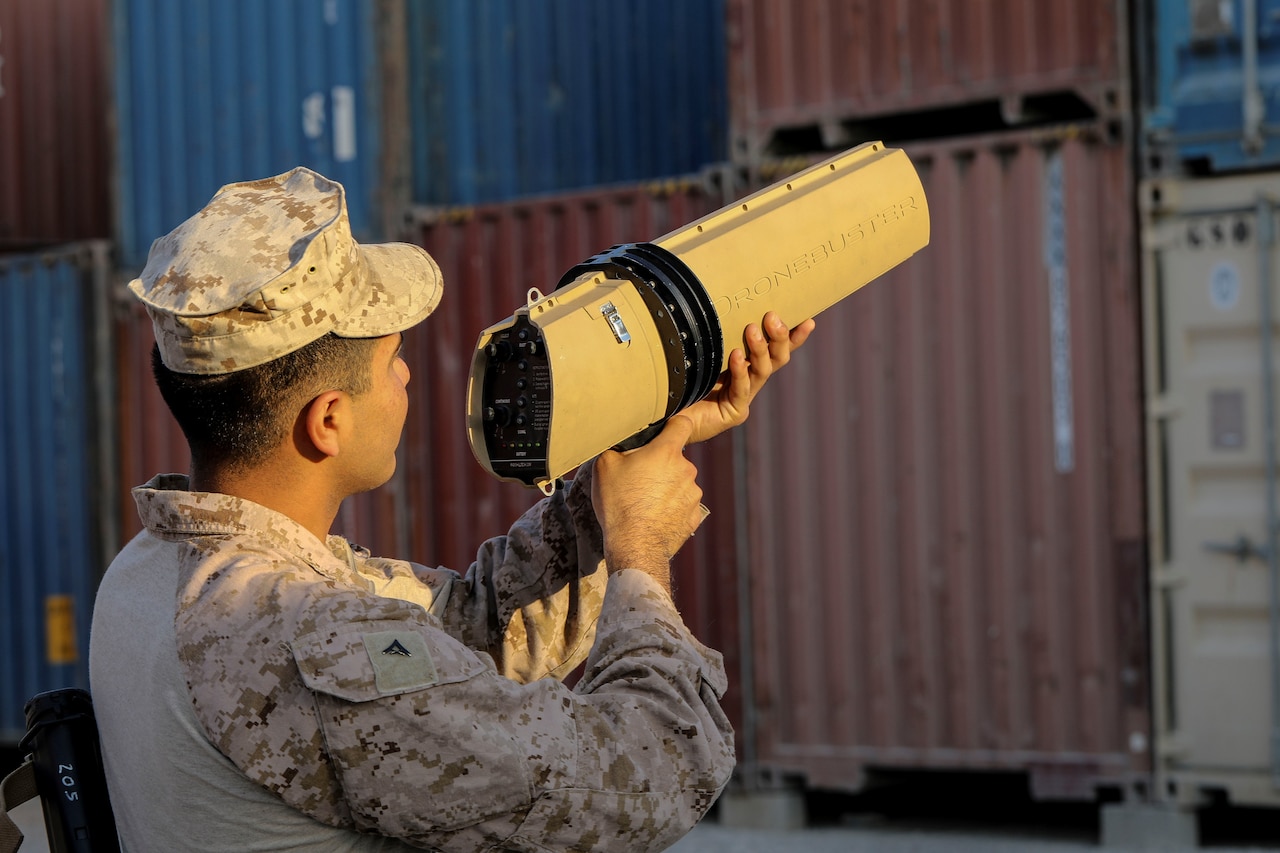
x,y
648,502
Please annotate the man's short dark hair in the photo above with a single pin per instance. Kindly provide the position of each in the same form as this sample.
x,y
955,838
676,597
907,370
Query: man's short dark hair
x,y
235,419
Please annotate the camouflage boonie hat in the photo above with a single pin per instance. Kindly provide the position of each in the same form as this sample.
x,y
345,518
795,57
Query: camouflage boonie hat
x,y
269,266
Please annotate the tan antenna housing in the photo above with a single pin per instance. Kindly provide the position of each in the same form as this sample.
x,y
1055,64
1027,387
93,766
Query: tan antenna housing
x,y
639,332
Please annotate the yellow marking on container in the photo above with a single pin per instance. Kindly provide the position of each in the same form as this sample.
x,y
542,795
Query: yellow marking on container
x,y
60,629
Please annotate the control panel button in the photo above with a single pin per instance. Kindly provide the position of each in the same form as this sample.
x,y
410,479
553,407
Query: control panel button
x,y
498,350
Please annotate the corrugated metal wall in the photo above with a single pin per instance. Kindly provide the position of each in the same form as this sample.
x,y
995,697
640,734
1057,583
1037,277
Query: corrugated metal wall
x,y
797,63
150,441
945,496
447,102
207,93
510,99
50,550
53,123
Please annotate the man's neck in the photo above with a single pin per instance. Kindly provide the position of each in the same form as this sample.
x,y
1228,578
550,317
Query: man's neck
x,y
305,500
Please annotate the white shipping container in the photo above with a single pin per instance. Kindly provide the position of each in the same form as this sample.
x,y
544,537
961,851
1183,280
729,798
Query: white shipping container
x,y
1213,358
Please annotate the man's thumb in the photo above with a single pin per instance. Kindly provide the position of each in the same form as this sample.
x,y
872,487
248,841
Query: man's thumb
x,y
677,431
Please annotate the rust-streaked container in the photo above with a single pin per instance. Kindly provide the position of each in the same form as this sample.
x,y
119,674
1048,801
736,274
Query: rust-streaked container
x,y
945,508
53,122
816,65
150,441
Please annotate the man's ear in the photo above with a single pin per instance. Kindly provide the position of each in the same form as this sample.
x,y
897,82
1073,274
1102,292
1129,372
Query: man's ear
x,y
325,419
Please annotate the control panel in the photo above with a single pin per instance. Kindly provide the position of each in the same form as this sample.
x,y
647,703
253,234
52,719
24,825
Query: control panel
x,y
516,402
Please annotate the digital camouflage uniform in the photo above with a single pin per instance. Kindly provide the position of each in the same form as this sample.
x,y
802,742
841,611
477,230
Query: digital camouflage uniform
x,y
385,697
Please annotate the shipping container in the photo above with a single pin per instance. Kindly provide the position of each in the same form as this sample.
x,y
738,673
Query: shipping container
x,y
511,99
1208,72
449,102
807,74
53,123
150,441
211,93
945,511
1210,296
52,449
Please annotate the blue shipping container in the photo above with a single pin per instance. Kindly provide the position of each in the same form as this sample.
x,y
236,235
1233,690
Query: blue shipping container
x,y
50,549
1213,70
505,99
511,98
214,91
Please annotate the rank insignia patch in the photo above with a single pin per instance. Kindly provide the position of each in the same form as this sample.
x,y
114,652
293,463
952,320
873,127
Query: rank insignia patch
x,y
400,660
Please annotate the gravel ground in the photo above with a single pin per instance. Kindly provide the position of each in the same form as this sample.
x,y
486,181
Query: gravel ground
x,y
711,838
1049,832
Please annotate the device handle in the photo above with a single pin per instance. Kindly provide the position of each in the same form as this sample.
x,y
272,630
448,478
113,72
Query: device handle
x,y
66,760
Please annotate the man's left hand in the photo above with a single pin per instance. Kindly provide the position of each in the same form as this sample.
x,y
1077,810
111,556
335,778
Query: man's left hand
x,y
770,345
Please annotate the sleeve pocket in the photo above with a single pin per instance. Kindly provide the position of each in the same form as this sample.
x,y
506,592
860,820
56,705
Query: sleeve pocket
x,y
404,717
364,660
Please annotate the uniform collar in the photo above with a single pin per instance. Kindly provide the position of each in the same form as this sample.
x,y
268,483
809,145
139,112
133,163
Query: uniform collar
x,y
170,510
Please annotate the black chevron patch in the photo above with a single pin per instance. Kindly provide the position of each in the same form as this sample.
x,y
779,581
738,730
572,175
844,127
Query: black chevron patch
x,y
396,649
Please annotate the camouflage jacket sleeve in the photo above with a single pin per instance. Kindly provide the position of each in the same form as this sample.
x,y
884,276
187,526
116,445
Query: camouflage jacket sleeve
x,y
373,717
531,598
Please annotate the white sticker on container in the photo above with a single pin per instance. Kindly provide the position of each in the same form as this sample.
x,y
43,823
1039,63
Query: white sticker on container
x,y
1055,261
1224,286
344,123
313,115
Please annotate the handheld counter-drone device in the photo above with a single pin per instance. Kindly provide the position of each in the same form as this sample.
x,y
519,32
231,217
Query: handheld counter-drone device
x,y
634,334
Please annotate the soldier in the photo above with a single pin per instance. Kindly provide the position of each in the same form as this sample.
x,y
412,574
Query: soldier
x,y
261,684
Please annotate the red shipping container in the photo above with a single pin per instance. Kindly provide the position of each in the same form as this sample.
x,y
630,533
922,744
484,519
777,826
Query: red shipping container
x,y
54,144
945,499
816,64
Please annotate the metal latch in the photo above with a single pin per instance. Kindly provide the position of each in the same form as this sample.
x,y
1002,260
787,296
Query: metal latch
x,y
615,322
1242,549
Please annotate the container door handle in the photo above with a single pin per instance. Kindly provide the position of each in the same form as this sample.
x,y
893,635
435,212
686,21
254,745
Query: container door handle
x,y
1242,549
